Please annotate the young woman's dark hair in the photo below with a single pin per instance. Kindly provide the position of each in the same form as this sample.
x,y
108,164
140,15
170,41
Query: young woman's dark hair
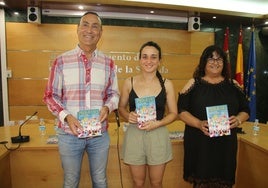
x,y
153,44
208,53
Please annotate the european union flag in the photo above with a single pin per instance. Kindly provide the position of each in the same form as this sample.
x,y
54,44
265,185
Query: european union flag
x,y
250,88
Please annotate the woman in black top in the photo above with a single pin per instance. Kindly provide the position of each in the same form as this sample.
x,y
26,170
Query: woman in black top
x,y
210,162
149,145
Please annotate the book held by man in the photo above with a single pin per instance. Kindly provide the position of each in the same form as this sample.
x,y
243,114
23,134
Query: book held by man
x,y
146,109
89,120
218,120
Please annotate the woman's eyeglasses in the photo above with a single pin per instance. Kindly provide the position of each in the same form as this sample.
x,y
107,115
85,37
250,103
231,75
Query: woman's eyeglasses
x,y
218,60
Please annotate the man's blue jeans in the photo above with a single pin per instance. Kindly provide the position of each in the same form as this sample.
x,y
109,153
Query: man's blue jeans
x,y
71,151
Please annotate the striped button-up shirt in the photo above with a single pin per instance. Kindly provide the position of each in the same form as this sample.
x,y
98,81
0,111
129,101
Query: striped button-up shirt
x,y
76,83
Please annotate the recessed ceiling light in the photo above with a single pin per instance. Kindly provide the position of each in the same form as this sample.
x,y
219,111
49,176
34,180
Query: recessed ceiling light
x,y
80,7
151,11
2,3
16,13
214,17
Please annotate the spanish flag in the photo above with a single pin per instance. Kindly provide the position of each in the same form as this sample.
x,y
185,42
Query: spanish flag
x,y
239,72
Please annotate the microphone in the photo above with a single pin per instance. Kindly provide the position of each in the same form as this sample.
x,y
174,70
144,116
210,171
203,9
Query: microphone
x,y
117,117
20,138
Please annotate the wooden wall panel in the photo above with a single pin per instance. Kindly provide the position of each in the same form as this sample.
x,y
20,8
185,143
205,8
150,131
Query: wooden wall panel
x,y
31,49
179,66
20,112
29,64
129,39
25,36
172,66
178,85
21,108
200,40
63,37
26,92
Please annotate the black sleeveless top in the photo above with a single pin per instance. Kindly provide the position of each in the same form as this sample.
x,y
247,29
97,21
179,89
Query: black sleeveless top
x,y
160,101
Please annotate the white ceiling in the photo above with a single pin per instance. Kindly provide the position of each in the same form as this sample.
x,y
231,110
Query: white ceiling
x,y
239,11
249,8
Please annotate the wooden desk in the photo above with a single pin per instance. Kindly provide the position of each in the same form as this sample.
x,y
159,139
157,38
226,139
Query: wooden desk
x,y
37,163
252,168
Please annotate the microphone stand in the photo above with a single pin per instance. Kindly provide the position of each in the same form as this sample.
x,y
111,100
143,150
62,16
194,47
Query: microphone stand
x,y
20,138
117,117
117,145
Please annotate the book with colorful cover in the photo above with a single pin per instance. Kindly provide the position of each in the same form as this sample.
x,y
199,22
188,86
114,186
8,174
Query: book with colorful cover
x,y
89,120
146,109
218,120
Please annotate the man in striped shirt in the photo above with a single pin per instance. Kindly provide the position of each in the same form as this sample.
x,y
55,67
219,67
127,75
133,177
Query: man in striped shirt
x,y
81,79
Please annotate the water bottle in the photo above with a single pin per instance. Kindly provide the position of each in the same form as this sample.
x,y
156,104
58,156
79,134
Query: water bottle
x,y
56,122
256,127
42,127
